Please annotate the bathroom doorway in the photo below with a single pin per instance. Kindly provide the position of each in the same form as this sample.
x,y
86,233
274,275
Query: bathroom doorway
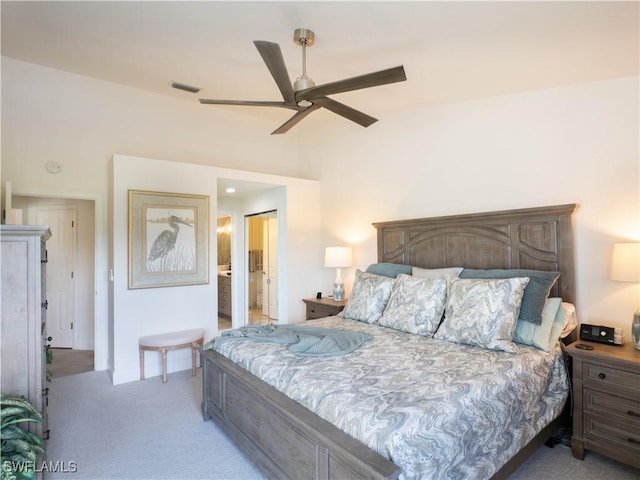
x,y
262,255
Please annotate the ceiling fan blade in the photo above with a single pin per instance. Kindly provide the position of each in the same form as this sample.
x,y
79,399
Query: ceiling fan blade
x,y
284,128
345,111
272,56
383,77
250,103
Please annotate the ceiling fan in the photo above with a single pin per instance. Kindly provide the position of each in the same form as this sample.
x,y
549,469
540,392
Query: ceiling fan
x,y
304,96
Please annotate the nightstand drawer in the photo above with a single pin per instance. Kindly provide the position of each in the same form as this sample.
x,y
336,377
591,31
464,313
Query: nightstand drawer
x,y
320,311
613,437
628,409
323,307
607,379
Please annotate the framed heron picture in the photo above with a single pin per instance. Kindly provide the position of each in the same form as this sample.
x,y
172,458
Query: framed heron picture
x,y
168,239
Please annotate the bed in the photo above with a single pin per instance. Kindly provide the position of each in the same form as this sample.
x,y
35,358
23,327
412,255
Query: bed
x,y
258,395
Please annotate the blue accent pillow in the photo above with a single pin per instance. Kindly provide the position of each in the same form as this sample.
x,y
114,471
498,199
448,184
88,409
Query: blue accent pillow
x,y
391,270
546,335
535,294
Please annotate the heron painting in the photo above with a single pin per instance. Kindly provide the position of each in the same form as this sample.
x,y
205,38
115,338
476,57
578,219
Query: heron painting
x,y
171,249
165,242
168,239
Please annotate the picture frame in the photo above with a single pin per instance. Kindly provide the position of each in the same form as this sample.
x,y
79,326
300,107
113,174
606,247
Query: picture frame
x,y
168,239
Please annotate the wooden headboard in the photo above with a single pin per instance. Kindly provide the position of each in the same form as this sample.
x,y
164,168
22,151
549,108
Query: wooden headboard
x,y
533,238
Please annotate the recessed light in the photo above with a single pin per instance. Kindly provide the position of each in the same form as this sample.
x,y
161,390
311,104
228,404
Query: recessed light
x,y
230,190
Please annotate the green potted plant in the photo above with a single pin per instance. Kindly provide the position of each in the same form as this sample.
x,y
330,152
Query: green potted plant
x,y
20,448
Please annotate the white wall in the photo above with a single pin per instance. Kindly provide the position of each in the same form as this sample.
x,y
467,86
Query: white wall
x,y
565,145
81,123
572,144
158,310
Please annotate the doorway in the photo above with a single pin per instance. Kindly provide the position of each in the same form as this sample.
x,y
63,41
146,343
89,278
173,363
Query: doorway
x,y
262,255
70,283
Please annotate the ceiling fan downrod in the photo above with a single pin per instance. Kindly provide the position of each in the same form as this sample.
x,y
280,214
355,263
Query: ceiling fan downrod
x,y
304,38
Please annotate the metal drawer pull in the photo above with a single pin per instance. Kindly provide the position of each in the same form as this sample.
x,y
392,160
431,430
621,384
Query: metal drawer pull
x,y
633,414
601,376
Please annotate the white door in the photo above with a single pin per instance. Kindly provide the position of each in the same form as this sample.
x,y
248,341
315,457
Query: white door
x,y
61,252
270,253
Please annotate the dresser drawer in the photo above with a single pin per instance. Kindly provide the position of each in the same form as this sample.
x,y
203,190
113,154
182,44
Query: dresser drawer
x,y
224,302
613,437
628,409
610,379
224,280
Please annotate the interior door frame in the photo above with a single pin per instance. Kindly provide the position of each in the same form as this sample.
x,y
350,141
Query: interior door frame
x,y
101,272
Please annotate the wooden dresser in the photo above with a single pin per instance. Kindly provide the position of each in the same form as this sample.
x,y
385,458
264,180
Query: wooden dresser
x,y
323,307
24,316
606,409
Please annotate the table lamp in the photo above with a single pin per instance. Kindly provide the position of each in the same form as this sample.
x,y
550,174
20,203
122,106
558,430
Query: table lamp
x,y
625,267
338,257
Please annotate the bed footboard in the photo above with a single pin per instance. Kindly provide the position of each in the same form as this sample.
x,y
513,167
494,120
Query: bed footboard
x,y
284,439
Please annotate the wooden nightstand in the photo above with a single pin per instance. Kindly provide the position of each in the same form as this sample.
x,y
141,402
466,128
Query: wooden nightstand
x,y
606,408
323,307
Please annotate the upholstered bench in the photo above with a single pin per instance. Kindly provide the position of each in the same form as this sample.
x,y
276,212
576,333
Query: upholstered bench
x,y
171,341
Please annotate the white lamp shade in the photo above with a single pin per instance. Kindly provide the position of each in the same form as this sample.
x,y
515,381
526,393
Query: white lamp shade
x,y
625,262
338,257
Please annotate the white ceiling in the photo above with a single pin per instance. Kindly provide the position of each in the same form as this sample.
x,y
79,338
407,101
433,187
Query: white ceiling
x,y
451,51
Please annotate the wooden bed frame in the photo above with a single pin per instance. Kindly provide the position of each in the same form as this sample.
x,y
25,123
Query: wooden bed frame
x,y
286,440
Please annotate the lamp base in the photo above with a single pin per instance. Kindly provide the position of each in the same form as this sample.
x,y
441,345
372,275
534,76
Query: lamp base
x,y
338,292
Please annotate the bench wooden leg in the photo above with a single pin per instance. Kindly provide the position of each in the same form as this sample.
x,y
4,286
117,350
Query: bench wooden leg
x,y
141,363
164,365
194,345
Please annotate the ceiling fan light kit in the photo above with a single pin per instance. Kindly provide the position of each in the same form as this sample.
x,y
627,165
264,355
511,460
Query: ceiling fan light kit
x,y
303,95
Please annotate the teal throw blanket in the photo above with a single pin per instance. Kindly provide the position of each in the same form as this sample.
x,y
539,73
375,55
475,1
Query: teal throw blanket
x,y
305,341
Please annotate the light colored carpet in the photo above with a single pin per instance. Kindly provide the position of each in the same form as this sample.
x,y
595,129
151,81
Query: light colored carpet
x,y
138,430
151,430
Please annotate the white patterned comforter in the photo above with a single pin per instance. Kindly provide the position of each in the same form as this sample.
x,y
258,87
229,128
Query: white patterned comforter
x,y
438,410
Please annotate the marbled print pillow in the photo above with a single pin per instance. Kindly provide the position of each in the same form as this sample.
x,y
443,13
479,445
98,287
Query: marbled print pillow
x,y
483,312
369,297
416,305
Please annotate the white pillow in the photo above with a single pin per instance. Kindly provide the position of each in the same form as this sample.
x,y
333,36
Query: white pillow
x,y
570,320
483,312
449,272
416,305
369,297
